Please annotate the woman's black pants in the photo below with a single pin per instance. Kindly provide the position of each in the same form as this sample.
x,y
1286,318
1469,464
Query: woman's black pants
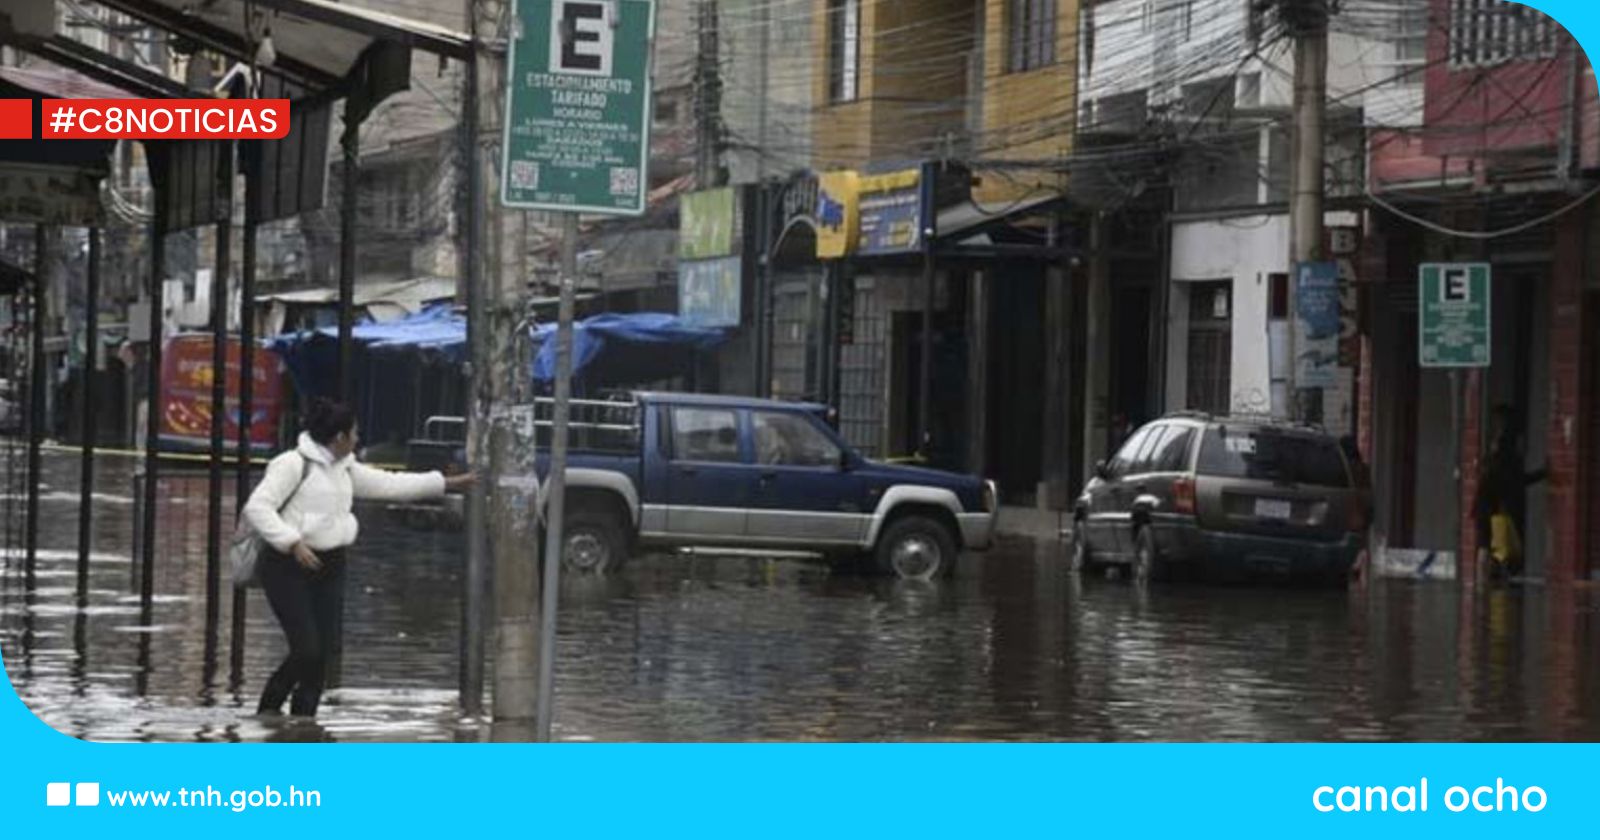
x,y
307,604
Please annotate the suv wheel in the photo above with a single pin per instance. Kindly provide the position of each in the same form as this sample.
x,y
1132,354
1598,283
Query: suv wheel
x,y
592,542
916,548
1147,562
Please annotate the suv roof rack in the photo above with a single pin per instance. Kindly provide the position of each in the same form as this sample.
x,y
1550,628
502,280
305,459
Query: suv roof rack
x,y
1257,417
1271,420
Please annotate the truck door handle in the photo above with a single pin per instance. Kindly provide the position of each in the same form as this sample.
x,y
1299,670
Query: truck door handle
x,y
768,475
689,470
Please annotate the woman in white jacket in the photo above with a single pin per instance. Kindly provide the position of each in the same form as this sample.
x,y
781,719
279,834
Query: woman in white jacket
x,y
302,510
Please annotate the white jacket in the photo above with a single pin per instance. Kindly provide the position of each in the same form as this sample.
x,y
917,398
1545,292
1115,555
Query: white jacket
x,y
320,513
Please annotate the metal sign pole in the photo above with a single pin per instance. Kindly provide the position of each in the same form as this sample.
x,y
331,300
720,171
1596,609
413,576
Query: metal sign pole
x,y
584,66
556,507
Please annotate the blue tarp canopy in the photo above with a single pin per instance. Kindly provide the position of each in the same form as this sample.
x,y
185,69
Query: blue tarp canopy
x,y
312,356
632,349
608,349
408,369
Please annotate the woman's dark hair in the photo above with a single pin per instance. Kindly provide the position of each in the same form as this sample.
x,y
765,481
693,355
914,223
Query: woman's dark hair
x,y
325,419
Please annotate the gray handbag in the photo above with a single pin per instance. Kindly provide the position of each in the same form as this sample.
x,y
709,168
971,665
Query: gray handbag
x,y
244,551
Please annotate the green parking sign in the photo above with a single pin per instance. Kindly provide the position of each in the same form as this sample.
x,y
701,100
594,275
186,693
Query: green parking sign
x,y
577,130
1453,315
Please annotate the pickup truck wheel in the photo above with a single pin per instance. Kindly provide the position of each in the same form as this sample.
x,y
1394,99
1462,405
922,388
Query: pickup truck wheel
x,y
917,548
593,542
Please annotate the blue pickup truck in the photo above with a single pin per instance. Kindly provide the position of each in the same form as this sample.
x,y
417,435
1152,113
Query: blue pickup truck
x,y
662,470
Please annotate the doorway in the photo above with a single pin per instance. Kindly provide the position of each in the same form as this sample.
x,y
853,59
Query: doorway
x,y
1132,308
1016,382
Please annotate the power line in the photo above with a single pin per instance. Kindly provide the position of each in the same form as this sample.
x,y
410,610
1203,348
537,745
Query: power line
x,y
1482,235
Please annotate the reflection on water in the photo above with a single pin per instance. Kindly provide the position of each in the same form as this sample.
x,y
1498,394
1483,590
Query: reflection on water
x,y
695,649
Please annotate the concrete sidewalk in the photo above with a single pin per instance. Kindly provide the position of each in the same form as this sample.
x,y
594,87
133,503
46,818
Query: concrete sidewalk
x,y
1032,523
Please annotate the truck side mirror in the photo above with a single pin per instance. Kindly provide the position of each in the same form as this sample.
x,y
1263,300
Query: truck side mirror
x,y
846,464
1102,471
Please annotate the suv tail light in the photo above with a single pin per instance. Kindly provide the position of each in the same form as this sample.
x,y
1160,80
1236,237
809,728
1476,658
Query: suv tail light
x,y
1183,500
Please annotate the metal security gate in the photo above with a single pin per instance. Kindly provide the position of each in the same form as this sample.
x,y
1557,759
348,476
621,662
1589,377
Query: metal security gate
x,y
794,371
863,361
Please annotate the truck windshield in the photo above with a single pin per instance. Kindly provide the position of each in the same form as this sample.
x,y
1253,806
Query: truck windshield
x,y
1272,455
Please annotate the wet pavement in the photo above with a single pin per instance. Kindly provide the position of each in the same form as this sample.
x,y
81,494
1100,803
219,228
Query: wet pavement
x,y
735,649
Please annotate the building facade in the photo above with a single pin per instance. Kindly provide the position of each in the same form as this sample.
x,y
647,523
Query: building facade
x,y
1500,171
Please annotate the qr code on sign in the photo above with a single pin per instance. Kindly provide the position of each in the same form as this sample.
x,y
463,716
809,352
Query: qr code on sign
x,y
624,180
524,175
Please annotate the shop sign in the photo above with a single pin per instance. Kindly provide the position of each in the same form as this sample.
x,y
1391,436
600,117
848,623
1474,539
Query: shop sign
x,y
708,224
1317,308
891,212
799,199
709,292
186,377
838,213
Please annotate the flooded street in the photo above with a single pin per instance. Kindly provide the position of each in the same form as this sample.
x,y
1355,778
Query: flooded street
x,y
733,649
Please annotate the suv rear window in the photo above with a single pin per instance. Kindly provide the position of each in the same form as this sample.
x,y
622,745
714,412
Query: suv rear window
x,y
1272,455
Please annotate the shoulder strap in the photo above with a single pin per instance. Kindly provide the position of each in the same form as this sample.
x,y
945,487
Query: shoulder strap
x,y
305,473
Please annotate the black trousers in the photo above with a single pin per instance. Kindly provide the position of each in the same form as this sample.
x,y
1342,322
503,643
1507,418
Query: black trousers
x,y
307,605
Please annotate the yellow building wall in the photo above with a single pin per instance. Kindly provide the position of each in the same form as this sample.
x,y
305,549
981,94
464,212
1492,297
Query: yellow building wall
x,y
913,82
1027,116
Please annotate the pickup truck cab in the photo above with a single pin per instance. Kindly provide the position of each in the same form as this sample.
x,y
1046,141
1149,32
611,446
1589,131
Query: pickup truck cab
x,y
664,470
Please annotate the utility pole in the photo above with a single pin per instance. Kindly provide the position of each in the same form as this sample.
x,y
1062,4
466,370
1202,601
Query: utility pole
x,y
764,204
708,99
1307,22
508,523
472,605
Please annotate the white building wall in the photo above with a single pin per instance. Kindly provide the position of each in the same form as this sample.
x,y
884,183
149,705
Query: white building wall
x,y
1244,250
1159,46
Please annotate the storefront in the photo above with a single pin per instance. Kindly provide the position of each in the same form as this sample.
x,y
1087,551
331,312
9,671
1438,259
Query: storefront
x,y
1432,428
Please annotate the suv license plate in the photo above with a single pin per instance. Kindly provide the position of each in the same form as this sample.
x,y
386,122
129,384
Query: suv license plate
x,y
1274,509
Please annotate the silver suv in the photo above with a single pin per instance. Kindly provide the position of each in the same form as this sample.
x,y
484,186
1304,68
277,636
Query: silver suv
x,y
1226,496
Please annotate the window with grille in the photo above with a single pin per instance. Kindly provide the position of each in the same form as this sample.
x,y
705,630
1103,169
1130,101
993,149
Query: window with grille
x,y
1411,36
1210,357
1031,33
844,50
1489,32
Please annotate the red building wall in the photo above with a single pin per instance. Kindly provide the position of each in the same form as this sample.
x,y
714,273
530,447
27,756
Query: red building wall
x,y
1476,103
1565,432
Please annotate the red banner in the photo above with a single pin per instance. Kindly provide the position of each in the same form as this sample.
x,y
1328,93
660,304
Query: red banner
x,y
16,119
186,395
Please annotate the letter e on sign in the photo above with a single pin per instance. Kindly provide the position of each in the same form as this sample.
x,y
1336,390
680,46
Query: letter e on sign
x,y
582,39
1456,288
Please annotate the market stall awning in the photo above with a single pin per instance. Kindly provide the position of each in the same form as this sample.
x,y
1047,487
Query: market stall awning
x,y
626,349
60,83
608,349
318,41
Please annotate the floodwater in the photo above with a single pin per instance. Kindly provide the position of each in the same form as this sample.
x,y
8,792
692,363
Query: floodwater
x,y
737,649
